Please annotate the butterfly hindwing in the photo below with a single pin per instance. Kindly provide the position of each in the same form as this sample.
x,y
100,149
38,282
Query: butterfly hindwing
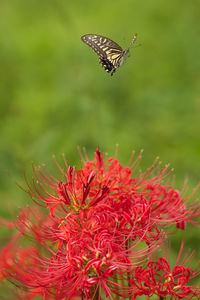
x,y
107,65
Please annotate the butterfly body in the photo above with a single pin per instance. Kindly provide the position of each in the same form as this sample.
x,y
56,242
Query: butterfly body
x,y
111,55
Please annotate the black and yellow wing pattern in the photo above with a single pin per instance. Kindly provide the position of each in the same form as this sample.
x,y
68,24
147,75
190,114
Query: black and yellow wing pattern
x,y
111,55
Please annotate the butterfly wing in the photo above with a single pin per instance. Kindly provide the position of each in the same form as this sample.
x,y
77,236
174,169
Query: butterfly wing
x,y
110,53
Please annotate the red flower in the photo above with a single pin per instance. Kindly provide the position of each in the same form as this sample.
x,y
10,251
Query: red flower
x,y
103,221
157,278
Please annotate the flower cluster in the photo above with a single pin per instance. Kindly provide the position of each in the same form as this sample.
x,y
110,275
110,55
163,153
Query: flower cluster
x,y
103,224
156,278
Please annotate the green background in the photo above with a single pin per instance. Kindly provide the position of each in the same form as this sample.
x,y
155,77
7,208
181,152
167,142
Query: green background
x,y
54,95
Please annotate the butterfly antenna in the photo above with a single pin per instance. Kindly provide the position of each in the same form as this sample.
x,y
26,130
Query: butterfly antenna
x,y
133,40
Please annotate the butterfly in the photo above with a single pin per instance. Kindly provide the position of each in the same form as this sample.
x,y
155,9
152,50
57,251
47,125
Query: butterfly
x,y
111,55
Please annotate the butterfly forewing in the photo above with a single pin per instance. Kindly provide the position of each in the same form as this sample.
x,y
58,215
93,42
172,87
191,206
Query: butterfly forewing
x,y
111,55
100,44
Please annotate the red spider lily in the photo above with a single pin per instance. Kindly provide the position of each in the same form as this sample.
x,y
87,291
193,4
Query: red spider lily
x,y
157,278
7,254
143,197
103,222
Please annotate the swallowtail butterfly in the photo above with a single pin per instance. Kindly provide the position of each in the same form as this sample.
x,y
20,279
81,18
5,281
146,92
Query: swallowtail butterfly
x,y
111,55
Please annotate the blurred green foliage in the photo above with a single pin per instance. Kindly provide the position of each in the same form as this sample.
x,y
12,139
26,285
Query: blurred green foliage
x,y
54,96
